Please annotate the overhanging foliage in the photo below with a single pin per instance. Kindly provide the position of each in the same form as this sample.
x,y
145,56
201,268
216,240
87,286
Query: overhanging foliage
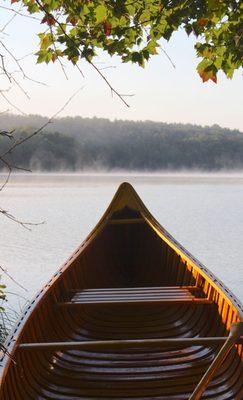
x,y
133,29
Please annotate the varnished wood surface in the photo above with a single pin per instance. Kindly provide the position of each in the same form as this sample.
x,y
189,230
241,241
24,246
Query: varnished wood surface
x,y
169,296
121,344
129,292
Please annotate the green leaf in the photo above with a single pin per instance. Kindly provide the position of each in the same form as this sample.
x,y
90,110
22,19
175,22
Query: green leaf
x,y
46,41
152,47
138,58
131,9
100,13
41,57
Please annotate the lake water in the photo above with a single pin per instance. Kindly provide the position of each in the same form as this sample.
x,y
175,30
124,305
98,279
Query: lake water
x,y
203,212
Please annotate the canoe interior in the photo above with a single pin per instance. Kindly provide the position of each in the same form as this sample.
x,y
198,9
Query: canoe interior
x,y
130,253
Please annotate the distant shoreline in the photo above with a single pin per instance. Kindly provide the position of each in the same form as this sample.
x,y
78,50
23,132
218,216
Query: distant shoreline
x,y
81,144
68,179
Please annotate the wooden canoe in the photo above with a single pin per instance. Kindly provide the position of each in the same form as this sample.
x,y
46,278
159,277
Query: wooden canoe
x,y
130,315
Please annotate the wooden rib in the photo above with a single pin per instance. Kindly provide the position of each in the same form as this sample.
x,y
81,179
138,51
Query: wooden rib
x,y
128,344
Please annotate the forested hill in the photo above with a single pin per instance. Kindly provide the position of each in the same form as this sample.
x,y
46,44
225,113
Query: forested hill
x,y
83,143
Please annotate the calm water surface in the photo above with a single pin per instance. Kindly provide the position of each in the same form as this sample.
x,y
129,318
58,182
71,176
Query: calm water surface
x,y
204,213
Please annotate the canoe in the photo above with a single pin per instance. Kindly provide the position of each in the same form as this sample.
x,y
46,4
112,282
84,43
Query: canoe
x,y
130,315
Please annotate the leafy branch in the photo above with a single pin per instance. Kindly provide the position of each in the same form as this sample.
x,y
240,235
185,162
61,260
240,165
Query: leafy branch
x,y
134,30
51,20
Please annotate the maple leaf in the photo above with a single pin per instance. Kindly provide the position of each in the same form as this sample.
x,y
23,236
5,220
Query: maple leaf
x,y
202,22
107,28
73,21
53,57
49,19
14,1
208,75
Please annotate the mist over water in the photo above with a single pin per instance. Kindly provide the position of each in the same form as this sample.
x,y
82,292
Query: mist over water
x,y
99,176
202,211
81,144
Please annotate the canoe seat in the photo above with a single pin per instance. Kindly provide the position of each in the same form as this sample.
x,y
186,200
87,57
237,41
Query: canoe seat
x,y
140,295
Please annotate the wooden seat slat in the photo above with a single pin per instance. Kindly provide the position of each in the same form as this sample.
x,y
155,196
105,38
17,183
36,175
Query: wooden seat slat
x,y
130,293
130,298
190,301
135,289
134,295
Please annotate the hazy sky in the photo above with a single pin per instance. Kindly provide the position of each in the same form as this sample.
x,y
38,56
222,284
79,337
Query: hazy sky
x,y
161,93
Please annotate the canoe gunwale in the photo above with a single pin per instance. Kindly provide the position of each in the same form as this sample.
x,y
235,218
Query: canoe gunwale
x,y
197,265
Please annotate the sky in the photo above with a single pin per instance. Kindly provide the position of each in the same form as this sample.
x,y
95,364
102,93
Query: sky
x,y
159,92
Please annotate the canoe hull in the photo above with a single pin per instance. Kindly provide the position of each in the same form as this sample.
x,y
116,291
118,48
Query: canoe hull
x,y
129,281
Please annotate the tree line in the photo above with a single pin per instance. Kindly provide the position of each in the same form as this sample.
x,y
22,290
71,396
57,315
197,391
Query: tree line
x,y
76,144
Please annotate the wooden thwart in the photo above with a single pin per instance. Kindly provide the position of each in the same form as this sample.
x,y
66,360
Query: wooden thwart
x,y
126,344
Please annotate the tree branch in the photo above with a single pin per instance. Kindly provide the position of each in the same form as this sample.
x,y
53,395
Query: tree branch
x,y
11,167
11,104
19,13
4,270
113,90
24,224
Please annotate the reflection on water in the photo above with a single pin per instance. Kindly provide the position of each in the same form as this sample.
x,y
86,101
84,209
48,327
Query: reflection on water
x,y
205,213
